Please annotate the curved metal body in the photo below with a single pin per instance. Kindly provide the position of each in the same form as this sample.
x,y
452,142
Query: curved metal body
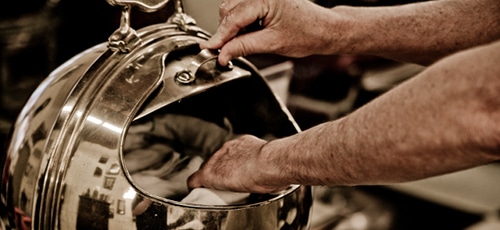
x,y
77,120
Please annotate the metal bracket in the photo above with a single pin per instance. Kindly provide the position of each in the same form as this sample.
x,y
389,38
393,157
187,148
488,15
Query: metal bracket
x,y
180,18
124,38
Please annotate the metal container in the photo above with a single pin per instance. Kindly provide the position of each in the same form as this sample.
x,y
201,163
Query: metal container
x,y
65,164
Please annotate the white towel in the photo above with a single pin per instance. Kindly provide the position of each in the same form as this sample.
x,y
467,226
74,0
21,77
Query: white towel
x,y
205,196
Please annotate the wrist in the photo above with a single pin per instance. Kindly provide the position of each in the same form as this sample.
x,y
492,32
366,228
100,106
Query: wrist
x,y
345,33
273,163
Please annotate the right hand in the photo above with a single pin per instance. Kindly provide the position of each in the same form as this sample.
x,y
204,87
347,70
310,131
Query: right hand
x,y
293,28
239,166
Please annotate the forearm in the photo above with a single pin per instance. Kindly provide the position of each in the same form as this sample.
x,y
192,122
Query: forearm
x,y
445,119
420,32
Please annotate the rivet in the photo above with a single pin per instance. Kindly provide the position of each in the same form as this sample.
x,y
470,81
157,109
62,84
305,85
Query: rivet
x,y
184,77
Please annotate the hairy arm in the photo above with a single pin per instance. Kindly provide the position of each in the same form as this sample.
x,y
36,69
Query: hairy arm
x,y
420,32
443,120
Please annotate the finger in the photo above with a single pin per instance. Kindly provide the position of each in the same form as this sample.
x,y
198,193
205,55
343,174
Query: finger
x,y
246,44
227,30
234,18
194,181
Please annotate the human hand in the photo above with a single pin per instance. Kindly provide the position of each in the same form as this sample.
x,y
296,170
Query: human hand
x,y
292,28
238,166
162,152
172,187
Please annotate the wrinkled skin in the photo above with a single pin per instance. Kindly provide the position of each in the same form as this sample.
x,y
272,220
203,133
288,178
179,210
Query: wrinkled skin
x,y
281,31
420,33
443,120
244,155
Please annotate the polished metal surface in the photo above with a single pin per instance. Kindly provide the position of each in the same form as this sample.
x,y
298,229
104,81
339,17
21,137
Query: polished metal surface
x,y
65,169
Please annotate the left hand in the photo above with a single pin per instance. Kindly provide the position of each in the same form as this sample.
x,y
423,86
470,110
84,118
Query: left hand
x,y
292,28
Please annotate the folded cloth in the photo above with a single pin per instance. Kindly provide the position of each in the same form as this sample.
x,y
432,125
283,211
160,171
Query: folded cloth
x,y
206,196
173,187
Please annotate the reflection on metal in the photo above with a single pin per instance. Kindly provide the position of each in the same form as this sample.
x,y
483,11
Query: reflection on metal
x,y
64,168
184,77
189,74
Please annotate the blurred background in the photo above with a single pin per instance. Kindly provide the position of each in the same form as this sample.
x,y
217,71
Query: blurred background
x,y
36,36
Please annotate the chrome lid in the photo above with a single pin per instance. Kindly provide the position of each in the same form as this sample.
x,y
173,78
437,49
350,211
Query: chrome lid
x,y
66,168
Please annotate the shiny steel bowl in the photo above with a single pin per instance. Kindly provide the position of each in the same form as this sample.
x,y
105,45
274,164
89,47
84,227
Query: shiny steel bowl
x,y
64,166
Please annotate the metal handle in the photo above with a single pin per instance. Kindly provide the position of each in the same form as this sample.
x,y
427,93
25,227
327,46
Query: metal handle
x,y
124,39
189,74
144,5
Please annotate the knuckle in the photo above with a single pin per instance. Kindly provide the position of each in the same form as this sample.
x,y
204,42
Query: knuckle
x,y
224,8
247,137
